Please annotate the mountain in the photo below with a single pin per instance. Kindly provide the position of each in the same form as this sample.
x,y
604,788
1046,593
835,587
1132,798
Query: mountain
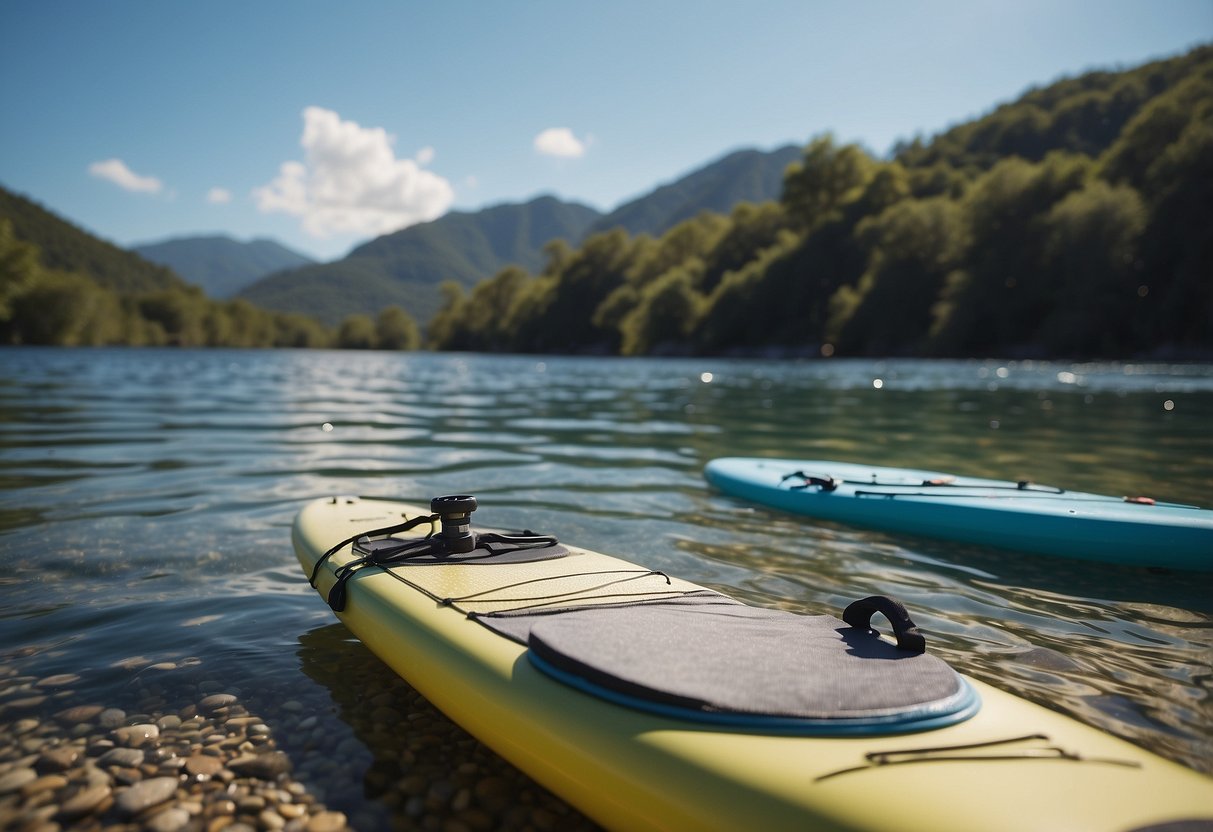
x,y
66,247
406,267
219,264
743,176
1083,114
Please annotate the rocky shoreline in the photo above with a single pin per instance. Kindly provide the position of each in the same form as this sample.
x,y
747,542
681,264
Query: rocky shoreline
x,y
215,764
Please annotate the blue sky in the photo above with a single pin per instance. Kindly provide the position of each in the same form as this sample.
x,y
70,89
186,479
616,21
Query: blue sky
x,y
323,124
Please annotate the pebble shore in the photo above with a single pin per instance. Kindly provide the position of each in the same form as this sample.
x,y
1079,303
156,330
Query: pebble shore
x,y
374,749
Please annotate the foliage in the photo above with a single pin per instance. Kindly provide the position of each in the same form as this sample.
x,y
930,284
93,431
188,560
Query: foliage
x,y
1075,221
41,304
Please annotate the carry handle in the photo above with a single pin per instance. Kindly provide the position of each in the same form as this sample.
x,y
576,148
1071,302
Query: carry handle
x,y
859,615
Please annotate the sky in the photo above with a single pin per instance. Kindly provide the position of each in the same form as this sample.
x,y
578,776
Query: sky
x,y
324,124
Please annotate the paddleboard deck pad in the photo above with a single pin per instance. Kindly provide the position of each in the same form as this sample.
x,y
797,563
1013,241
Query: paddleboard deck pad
x,y
1023,516
649,702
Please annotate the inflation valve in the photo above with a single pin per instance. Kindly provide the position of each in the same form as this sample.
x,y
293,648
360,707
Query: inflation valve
x,y
455,516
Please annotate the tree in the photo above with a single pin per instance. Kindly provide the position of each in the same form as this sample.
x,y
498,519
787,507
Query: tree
x,y
396,330
357,332
999,297
19,268
668,309
66,310
825,179
912,248
1091,257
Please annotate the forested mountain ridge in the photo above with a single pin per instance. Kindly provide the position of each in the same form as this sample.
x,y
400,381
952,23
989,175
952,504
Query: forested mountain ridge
x,y
741,176
66,247
219,264
1032,231
61,286
1084,114
407,266
404,268
1077,221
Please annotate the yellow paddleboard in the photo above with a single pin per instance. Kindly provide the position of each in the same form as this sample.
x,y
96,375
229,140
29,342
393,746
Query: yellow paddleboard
x,y
1011,766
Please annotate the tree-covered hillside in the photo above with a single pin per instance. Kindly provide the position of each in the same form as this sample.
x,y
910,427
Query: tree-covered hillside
x,y
220,265
61,286
741,176
1077,220
65,247
404,268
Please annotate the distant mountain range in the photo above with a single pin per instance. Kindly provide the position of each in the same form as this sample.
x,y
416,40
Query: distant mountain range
x,y
219,264
405,268
742,176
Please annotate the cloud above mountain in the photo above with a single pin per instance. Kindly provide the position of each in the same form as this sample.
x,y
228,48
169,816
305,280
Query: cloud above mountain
x,y
559,141
116,171
352,182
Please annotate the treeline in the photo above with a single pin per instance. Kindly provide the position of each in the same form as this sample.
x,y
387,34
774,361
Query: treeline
x,y
45,306
1078,221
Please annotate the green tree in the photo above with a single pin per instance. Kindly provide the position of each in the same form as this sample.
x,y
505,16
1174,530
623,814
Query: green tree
x,y
1091,257
445,328
300,331
66,310
357,332
667,311
824,180
180,314
19,268
997,300
395,329
912,249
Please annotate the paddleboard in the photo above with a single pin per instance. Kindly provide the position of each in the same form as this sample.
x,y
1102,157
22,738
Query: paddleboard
x,y
587,672
1024,516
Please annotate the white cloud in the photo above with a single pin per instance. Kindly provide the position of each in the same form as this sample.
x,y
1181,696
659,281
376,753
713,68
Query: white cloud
x,y
219,196
116,171
352,182
559,141
425,155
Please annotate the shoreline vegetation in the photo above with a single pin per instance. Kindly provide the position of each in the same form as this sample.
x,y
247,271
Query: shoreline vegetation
x,y
1075,222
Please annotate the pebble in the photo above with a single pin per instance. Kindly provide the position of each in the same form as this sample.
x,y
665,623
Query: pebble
x,y
57,681
136,736
59,758
111,718
145,794
216,701
125,757
326,822
79,714
84,802
170,820
202,766
16,779
193,756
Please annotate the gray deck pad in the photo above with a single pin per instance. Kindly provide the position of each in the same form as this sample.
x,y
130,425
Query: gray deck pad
x,y
704,656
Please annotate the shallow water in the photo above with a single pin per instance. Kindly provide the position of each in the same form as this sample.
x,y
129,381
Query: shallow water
x,y
146,498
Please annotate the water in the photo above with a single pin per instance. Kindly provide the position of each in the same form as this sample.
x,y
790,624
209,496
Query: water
x,y
146,498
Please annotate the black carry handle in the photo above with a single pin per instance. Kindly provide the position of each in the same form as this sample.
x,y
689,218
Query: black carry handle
x,y
859,615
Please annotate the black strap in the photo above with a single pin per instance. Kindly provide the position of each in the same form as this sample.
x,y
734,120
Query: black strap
x,y
859,615
399,527
824,483
386,556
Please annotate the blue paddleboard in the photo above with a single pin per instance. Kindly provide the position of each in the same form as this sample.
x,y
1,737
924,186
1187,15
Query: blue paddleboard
x,y
1024,516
